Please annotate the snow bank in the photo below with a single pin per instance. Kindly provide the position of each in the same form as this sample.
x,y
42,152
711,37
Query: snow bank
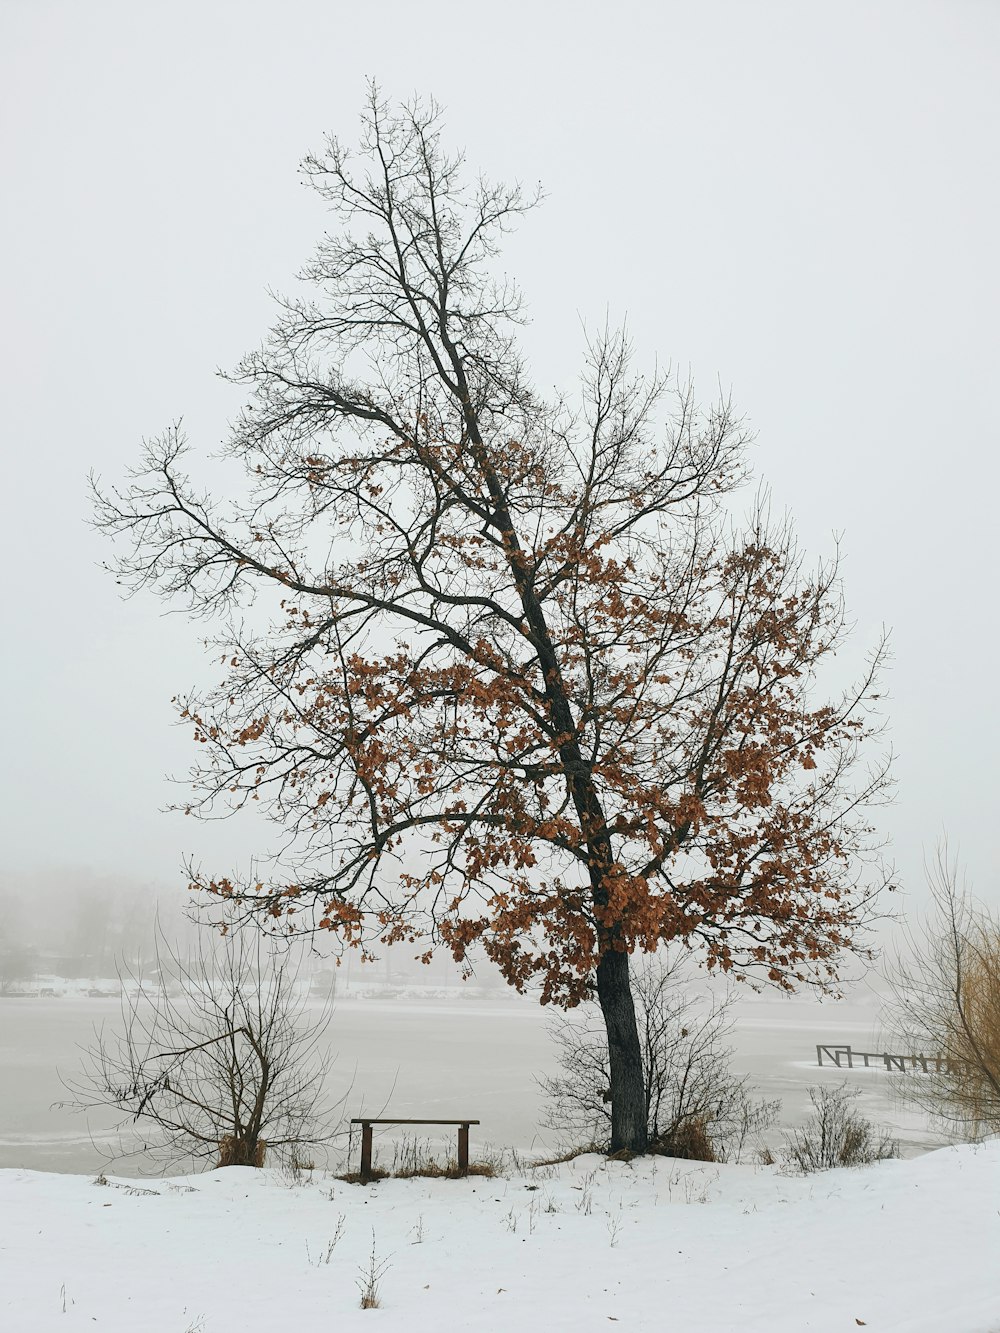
x,y
662,1245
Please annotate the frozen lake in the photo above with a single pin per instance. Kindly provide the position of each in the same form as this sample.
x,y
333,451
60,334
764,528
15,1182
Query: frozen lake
x,y
471,1057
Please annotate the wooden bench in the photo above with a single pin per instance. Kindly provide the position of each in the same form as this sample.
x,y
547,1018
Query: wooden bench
x,y
366,1123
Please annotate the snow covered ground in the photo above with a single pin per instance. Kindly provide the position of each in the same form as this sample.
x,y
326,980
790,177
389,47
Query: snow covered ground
x,y
908,1246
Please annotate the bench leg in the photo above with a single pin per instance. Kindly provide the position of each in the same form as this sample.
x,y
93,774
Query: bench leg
x,y
463,1149
366,1153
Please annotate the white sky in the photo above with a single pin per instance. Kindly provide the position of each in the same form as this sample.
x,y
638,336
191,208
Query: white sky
x,y
799,200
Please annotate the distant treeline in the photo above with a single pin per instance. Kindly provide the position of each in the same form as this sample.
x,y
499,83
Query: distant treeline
x,y
76,925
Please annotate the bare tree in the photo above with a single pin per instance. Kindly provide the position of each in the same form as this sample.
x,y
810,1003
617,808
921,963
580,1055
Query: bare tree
x,y
218,1055
946,1007
695,1105
524,685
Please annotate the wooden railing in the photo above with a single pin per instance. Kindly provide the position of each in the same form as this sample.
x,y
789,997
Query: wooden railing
x,y
846,1057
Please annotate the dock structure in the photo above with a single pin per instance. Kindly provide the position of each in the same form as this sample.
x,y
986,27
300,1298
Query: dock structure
x,y
846,1057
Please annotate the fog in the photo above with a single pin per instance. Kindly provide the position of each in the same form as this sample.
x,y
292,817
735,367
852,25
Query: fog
x,y
793,201
797,203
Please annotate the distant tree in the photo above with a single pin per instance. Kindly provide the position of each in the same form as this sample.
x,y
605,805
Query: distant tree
x,y
18,965
218,1056
18,959
696,1106
946,1006
523,686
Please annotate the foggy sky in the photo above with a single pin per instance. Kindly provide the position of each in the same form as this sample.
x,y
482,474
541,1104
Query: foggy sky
x,y
798,202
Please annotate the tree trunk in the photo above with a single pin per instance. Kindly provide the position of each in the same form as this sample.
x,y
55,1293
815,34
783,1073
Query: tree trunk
x,y
628,1094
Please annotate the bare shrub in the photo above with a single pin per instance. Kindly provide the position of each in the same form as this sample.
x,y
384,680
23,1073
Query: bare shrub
x,y
218,1055
299,1169
696,1107
325,1253
946,1008
836,1134
370,1275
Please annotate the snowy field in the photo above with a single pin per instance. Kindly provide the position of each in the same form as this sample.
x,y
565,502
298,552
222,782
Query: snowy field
x,y
907,1246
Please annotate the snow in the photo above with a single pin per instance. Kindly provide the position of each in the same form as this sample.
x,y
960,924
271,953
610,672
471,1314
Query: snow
x,y
679,1247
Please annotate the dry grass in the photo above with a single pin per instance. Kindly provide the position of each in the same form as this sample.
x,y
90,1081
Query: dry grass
x,y
354,1177
412,1158
690,1141
447,1170
237,1152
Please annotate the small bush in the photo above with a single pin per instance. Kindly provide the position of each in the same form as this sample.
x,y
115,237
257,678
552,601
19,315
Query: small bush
x,y
235,1151
836,1134
369,1278
689,1140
